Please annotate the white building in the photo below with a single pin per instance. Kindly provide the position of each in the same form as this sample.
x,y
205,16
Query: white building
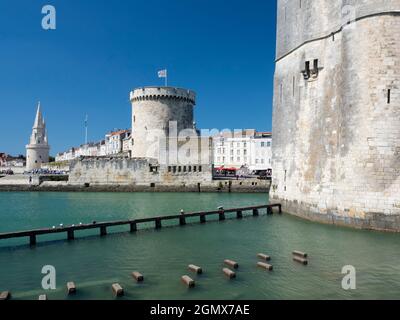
x,y
115,143
246,148
37,151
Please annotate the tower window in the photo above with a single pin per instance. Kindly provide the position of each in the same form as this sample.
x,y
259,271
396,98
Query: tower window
x,y
388,96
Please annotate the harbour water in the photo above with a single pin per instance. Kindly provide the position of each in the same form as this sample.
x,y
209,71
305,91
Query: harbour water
x,y
94,262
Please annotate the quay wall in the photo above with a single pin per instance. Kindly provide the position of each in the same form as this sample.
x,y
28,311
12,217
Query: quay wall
x,y
133,175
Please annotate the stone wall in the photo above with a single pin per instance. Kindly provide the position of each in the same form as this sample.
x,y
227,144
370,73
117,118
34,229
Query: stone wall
x,y
336,149
136,172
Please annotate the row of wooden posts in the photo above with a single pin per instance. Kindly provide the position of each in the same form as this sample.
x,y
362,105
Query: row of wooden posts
x,y
70,230
118,290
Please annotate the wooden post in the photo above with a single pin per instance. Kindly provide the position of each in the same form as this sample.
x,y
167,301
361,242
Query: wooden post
x,y
133,227
239,214
301,260
158,223
203,218
269,210
255,212
231,263
137,276
117,290
265,266
280,208
71,288
264,256
221,215
71,235
229,273
32,240
103,231
300,254
182,221
188,281
6,295
195,269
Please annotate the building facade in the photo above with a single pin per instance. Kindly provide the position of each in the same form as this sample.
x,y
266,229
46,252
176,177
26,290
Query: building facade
x,y
114,144
336,118
37,151
246,148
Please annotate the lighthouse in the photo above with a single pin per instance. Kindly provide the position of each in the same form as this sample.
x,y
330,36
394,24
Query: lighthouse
x,y
37,151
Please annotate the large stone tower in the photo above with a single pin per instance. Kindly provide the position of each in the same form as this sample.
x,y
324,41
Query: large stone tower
x,y
37,151
153,110
336,120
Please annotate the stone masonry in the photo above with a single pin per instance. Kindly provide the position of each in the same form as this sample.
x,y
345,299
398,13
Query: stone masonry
x,y
336,119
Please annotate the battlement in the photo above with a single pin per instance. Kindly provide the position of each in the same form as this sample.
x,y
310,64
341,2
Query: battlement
x,y
158,93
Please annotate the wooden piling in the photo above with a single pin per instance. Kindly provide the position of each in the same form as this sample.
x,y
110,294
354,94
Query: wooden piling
x,y
280,208
182,221
300,254
103,231
221,215
232,264
32,240
188,281
203,218
137,276
255,213
117,290
195,268
5,295
70,234
133,227
71,288
42,297
158,223
229,273
269,211
239,214
264,257
265,266
301,260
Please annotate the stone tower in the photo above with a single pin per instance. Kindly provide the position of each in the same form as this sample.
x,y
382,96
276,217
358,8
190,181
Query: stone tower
x,y
336,119
37,151
153,110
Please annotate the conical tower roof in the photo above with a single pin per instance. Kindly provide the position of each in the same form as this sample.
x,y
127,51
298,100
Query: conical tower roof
x,y
39,121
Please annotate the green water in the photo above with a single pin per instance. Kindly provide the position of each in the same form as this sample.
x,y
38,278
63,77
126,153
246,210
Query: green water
x,y
94,263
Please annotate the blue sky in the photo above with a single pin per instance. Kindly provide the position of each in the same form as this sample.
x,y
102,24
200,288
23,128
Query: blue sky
x,y
101,50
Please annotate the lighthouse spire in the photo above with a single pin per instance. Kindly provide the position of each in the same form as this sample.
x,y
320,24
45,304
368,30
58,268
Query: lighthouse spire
x,y
39,122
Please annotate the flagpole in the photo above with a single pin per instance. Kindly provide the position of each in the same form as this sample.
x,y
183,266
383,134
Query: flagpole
x,y
86,129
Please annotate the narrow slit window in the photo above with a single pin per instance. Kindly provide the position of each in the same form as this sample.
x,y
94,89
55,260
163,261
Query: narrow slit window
x,y
388,96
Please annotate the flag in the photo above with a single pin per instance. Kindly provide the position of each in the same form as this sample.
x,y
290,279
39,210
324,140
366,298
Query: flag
x,y
162,73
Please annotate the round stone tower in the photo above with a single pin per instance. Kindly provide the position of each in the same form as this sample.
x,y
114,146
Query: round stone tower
x,y
157,113
37,151
336,121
